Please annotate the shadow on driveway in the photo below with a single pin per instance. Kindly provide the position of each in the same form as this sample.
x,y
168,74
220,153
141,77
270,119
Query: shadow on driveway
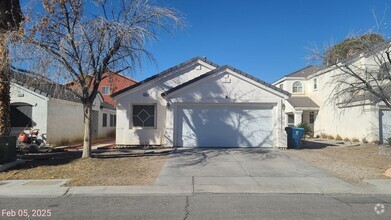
x,y
197,156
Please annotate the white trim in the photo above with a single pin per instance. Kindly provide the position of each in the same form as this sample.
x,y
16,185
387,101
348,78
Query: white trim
x,y
106,87
140,127
30,91
199,62
301,86
227,70
285,78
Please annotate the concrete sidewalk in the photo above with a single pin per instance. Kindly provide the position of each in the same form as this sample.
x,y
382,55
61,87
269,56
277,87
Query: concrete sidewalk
x,y
55,188
200,171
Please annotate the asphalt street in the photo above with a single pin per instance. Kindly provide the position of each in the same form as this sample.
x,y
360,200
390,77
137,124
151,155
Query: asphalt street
x,y
201,206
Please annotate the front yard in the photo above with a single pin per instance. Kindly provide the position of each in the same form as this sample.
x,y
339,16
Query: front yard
x,y
106,169
350,163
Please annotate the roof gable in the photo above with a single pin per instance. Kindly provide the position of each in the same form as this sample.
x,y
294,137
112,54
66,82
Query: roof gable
x,y
164,73
43,86
219,70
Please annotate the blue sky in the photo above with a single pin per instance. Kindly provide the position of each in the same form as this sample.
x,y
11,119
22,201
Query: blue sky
x,y
267,39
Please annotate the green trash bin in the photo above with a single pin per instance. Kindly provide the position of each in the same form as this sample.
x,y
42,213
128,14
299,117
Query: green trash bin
x,y
7,149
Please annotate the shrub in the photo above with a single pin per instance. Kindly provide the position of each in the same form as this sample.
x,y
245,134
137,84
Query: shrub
x,y
317,136
355,140
338,138
324,136
377,142
307,130
346,139
364,140
389,141
331,137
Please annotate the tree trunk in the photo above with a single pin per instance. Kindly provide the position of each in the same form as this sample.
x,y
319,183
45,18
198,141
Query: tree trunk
x,y
87,130
5,125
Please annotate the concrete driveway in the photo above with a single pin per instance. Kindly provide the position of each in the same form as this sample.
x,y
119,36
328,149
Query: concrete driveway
x,y
246,170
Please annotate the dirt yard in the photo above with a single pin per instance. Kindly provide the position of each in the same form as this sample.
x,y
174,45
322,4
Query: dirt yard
x,y
106,169
350,163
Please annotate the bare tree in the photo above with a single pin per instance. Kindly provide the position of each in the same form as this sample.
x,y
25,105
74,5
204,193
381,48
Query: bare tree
x,y
10,18
364,74
79,40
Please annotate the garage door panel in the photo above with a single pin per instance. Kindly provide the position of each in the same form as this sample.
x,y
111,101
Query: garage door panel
x,y
224,126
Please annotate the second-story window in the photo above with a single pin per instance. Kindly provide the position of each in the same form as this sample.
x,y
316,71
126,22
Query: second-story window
x,y
315,84
281,86
105,90
297,87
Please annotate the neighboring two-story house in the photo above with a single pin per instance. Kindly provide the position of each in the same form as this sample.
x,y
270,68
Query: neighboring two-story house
x,y
313,101
111,83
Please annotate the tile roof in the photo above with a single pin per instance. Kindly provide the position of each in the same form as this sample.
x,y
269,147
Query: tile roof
x,y
44,86
163,73
302,102
107,105
220,69
304,72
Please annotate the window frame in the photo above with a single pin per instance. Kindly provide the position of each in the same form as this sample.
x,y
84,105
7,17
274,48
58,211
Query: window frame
x,y
112,120
311,118
301,87
131,124
315,84
289,122
108,90
104,120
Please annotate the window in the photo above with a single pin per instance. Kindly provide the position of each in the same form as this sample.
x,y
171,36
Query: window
x,y
297,88
315,84
291,120
281,86
105,90
104,120
312,117
113,120
143,115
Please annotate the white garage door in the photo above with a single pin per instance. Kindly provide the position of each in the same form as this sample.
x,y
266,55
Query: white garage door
x,y
385,124
224,126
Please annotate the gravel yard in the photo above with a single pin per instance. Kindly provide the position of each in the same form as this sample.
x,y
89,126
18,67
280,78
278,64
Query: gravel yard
x,y
352,163
113,168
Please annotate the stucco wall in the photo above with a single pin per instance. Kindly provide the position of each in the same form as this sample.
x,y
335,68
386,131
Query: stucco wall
x,y
65,121
20,94
150,93
229,88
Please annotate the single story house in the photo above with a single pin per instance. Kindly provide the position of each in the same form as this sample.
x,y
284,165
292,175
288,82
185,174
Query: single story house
x,y
55,110
353,116
200,104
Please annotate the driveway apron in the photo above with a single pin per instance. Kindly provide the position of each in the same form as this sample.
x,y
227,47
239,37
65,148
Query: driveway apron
x,y
252,169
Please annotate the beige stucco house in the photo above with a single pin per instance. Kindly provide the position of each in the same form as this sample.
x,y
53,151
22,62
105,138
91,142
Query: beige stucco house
x,y
200,104
314,103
